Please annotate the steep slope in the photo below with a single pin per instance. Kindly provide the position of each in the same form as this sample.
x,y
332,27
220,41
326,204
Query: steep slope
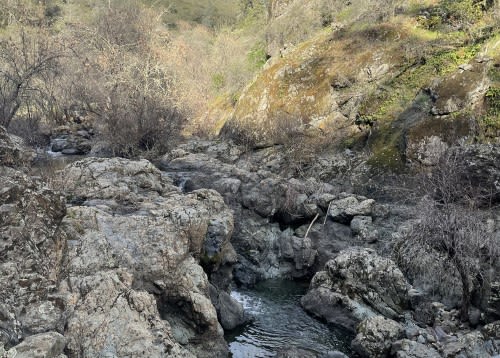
x,y
389,86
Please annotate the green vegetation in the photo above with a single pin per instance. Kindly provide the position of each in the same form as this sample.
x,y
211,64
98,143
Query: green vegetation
x,y
490,121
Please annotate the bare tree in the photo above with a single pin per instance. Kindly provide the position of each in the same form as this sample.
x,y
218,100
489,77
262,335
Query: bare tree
x,y
23,62
451,234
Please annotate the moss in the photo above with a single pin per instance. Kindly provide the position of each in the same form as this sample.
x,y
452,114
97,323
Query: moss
x,y
387,150
383,105
257,56
448,129
490,121
494,73
209,262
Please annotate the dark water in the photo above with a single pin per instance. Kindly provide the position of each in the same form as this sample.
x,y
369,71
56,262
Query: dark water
x,y
279,322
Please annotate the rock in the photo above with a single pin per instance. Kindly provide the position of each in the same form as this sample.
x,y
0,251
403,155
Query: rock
x,y
406,348
124,181
362,226
471,345
359,283
13,152
42,317
335,308
426,313
482,165
472,85
32,247
492,330
328,239
112,319
71,141
474,316
427,150
229,311
44,345
376,336
136,246
345,209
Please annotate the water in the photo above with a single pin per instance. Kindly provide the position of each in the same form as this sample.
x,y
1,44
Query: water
x,y
279,322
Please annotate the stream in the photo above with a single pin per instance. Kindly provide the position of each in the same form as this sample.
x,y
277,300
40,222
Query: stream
x,y
279,322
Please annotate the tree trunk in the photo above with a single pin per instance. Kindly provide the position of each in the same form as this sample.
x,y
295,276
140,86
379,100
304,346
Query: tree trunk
x,y
466,294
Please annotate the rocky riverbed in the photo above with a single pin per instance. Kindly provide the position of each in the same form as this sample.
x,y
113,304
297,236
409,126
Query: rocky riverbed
x,y
123,258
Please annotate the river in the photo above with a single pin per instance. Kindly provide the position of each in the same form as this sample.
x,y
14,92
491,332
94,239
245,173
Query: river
x,y
279,322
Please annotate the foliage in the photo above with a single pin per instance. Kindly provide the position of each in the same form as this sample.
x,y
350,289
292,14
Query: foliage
x,y
490,122
257,56
463,12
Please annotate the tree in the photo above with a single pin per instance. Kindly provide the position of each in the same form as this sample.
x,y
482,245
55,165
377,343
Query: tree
x,y
451,234
23,63
123,84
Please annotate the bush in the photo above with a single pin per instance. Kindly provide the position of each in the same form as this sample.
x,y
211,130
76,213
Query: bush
x,y
451,243
134,121
462,13
26,61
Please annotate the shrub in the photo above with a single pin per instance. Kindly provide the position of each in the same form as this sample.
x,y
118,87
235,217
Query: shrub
x,y
26,61
451,237
462,12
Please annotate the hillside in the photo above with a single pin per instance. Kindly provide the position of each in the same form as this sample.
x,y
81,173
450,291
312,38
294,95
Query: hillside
x,y
391,85
250,178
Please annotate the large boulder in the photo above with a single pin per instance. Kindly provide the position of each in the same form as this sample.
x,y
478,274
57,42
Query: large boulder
x,y
148,240
463,89
112,319
357,284
375,337
406,348
44,345
229,311
13,152
344,209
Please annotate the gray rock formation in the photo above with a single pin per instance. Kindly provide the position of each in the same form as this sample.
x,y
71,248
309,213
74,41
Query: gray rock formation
x,y
357,284
32,250
147,239
406,348
118,275
272,213
71,141
13,153
375,337
44,345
